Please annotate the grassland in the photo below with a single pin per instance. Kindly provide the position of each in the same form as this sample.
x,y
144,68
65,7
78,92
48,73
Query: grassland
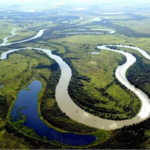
x,y
13,82
18,71
94,75
25,29
8,140
100,70
6,28
141,25
32,64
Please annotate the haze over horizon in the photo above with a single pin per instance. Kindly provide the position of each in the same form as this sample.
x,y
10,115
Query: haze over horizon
x,y
26,2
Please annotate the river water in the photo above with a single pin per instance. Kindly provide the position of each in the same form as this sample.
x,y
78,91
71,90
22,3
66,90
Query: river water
x,y
39,34
95,53
5,40
67,106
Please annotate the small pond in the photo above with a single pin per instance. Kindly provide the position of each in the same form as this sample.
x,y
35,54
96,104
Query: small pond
x,y
95,53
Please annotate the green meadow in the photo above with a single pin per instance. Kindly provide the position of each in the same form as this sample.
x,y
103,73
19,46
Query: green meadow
x,y
93,85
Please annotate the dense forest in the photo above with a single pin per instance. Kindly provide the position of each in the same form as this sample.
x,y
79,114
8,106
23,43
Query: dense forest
x,y
64,34
139,75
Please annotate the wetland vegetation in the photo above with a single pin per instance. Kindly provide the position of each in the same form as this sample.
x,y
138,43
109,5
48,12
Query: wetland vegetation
x,y
93,86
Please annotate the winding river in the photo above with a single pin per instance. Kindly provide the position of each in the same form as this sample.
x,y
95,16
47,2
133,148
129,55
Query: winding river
x,y
67,105
5,40
39,34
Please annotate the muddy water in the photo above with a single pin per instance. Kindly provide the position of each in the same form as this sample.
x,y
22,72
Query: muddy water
x,y
66,104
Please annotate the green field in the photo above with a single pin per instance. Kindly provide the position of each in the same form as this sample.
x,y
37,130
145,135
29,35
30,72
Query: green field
x,y
102,92
93,85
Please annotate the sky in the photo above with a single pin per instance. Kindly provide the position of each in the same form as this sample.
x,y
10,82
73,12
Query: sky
x,y
27,2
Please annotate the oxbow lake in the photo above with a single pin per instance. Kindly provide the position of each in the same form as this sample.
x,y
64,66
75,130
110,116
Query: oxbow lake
x,y
26,104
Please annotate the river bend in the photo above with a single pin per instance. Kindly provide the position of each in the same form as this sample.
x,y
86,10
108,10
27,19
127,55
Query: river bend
x,y
5,40
67,105
39,34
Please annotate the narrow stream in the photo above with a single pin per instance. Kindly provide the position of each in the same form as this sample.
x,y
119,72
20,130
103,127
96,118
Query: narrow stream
x,y
5,40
